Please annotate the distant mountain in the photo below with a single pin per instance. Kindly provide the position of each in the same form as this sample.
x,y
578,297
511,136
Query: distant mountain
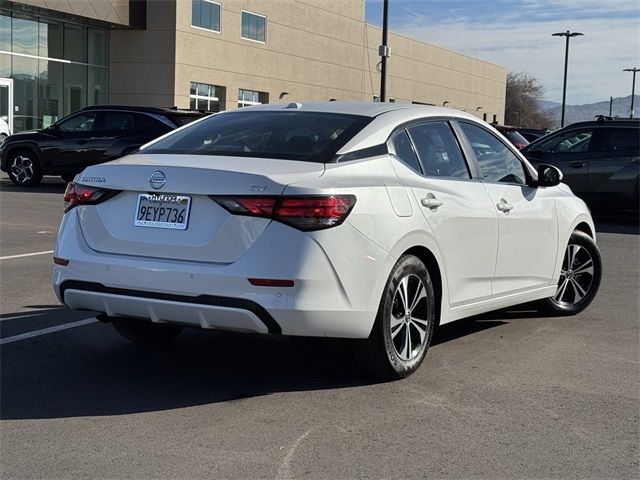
x,y
548,105
581,113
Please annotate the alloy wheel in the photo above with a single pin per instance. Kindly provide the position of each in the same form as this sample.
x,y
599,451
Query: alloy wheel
x,y
22,168
576,276
409,317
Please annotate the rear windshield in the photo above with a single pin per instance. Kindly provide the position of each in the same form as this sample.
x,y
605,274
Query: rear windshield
x,y
307,136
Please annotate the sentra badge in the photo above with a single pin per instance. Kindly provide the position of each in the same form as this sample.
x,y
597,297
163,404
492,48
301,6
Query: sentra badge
x,y
93,179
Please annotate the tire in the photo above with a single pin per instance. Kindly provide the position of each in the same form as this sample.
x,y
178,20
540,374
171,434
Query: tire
x,y
580,278
145,332
24,169
68,177
386,353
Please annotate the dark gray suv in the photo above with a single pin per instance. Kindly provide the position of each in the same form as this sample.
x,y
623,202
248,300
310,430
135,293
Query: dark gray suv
x,y
600,160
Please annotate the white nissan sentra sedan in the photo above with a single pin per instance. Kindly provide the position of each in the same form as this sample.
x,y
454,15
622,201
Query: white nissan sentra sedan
x,y
370,221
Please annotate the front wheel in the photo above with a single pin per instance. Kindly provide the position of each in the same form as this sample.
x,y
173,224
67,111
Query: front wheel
x,y
146,332
24,168
579,277
404,325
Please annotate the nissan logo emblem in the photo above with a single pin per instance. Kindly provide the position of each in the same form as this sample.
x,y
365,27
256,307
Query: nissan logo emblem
x,y
157,180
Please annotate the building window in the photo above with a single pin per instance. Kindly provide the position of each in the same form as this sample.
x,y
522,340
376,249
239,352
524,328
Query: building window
x,y
205,14
246,98
254,27
57,67
206,97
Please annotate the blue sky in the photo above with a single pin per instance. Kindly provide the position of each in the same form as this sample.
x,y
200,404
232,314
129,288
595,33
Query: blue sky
x,y
517,35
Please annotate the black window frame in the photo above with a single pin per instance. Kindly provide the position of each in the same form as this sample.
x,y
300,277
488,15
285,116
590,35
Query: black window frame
x,y
470,161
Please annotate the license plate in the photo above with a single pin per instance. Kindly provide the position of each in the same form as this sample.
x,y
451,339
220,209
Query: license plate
x,y
162,211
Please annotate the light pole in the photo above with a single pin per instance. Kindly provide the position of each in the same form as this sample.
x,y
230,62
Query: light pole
x,y
633,86
384,52
567,34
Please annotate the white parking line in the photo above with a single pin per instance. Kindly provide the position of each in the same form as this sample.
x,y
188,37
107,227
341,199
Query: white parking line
x,y
45,331
22,255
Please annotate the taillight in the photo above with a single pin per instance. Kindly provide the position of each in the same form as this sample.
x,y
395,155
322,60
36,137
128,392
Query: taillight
x,y
77,194
305,213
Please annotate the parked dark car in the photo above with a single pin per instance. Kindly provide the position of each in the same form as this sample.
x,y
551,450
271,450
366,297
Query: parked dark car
x,y
89,136
600,160
512,135
532,134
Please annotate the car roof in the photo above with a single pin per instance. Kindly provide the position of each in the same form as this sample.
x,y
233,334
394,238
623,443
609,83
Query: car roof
x,y
134,108
610,122
367,109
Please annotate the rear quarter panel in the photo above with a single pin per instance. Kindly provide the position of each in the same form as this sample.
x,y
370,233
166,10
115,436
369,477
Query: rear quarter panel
x,y
365,254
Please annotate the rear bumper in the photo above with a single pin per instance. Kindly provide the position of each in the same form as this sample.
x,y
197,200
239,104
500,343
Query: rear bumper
x,y
205,310
327,298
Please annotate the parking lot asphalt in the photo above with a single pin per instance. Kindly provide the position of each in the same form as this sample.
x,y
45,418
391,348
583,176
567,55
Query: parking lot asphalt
x,y
508,394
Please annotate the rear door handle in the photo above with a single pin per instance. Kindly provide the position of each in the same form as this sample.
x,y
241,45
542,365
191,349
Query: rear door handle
x,y
504,206
577,164
430,201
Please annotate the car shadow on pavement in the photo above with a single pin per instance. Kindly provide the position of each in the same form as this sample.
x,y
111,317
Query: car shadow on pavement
x,y
48,185
91,371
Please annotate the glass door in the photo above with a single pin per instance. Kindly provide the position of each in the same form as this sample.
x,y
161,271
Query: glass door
x,y
6,107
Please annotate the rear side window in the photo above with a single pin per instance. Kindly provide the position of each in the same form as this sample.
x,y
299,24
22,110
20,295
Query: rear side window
x,y
181,120
147,124
306,136
619,140
439,151
573,141
496,161
114,121
404,150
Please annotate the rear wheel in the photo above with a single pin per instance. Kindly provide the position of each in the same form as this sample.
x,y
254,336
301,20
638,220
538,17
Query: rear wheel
x,y
579,278
404,325
24,169
145,332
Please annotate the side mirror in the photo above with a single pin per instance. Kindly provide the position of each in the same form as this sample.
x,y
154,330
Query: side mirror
x,y
548,175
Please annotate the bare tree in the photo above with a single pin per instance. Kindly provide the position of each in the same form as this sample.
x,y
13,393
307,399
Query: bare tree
x,y
522,108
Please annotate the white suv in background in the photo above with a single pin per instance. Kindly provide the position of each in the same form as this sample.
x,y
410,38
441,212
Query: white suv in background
x,y
374,222
4,130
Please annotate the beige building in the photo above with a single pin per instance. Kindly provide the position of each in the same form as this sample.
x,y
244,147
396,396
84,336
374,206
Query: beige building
x,y
219,55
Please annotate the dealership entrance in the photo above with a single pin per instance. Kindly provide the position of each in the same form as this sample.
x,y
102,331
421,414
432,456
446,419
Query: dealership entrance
x,y
6,105
49,68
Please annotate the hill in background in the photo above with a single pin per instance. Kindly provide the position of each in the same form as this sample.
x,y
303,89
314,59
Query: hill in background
x,y
581,113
